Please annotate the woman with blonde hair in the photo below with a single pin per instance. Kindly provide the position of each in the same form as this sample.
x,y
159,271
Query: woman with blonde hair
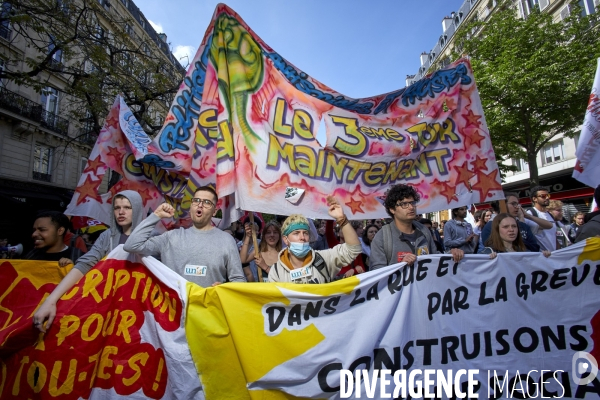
x,y
299,263
269,247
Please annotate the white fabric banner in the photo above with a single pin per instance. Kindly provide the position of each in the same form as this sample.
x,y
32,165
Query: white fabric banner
x,y
516,315
587,168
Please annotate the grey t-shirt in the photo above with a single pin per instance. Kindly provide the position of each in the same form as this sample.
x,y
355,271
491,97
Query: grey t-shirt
x,y
200,256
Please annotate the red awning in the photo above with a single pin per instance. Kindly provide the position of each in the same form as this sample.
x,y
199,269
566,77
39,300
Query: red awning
x,y
567,194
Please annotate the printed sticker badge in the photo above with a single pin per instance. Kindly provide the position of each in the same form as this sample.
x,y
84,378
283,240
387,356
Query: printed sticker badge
x,y
195,270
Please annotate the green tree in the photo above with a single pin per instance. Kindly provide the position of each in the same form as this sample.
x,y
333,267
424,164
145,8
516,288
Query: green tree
x,y
91,46
534,76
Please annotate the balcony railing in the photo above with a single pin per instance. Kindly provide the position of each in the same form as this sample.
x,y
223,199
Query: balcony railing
x,y
18,104
39,176
87,137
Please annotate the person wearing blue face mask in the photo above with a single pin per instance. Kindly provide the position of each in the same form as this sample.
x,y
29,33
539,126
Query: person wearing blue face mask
x,y
299,263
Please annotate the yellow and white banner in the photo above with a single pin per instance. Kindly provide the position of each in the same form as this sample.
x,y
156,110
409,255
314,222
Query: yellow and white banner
x,y
530,325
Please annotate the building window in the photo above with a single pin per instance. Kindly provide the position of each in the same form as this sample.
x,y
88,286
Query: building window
x,y
143,23
1,70
99,34
50,100
553,152
82,164
565,12
56,57
522,165
125,3
5,14
42,163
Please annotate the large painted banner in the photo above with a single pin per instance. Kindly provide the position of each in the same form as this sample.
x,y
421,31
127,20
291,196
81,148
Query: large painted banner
x,y
587,168
523,321
118,333
245,120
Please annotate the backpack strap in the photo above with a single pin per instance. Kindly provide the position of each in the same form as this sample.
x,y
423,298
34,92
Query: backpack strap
x,y
320,265
534,212
388,242
75,251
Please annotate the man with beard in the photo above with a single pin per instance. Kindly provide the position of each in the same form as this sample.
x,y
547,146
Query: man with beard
x,y
541,199
48,235
201,254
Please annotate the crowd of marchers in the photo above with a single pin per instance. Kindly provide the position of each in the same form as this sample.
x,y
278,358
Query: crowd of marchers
x,y
297,249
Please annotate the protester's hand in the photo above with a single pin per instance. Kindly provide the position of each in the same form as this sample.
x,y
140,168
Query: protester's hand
x,y
349,273
248,232
63,262
457,254
470,237
409,259
260,262
46,312
165,210
216,284
335,209
493,255
359,269
546,253
520,213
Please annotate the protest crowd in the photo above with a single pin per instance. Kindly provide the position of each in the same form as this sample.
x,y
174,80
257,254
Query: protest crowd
x,y
301,250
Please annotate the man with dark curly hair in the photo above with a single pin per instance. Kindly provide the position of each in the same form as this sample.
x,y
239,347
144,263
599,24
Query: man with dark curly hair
x,y
404,238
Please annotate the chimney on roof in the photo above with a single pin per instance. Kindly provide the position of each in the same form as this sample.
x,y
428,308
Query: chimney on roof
x,y
424,57
446,23
163,37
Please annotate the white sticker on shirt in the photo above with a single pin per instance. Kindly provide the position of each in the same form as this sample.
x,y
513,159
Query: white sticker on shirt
x,y
305,272
195,270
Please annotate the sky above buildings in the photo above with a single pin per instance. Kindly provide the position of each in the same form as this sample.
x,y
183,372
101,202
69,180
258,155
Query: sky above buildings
x,y
359,48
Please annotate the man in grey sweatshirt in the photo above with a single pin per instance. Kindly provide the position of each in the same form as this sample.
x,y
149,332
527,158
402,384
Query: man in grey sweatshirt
x,y
201,254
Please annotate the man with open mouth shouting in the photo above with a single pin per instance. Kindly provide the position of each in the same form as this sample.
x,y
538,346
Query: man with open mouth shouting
x,y
201,254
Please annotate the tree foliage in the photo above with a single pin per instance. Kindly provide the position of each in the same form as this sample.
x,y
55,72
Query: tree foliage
x,y
91,47
534,76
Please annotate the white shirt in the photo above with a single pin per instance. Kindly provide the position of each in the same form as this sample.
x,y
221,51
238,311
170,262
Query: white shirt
x,y
546,237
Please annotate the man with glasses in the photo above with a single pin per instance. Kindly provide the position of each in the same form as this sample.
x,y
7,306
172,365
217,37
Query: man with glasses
x,y
541,199
201,254
404,238
458,233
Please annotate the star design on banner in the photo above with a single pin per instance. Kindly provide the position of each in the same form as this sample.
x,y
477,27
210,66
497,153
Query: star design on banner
x,y
448,191
89,189
117,187
113,120
355,206
146,196
451,104
464,174
479,164
93,165
116,154
487,183
473,138
472,119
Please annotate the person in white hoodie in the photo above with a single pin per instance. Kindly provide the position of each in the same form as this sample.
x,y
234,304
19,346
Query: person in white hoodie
x,y
299,263
127,214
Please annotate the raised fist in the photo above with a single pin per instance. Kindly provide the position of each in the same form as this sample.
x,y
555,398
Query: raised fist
x,y
165,210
